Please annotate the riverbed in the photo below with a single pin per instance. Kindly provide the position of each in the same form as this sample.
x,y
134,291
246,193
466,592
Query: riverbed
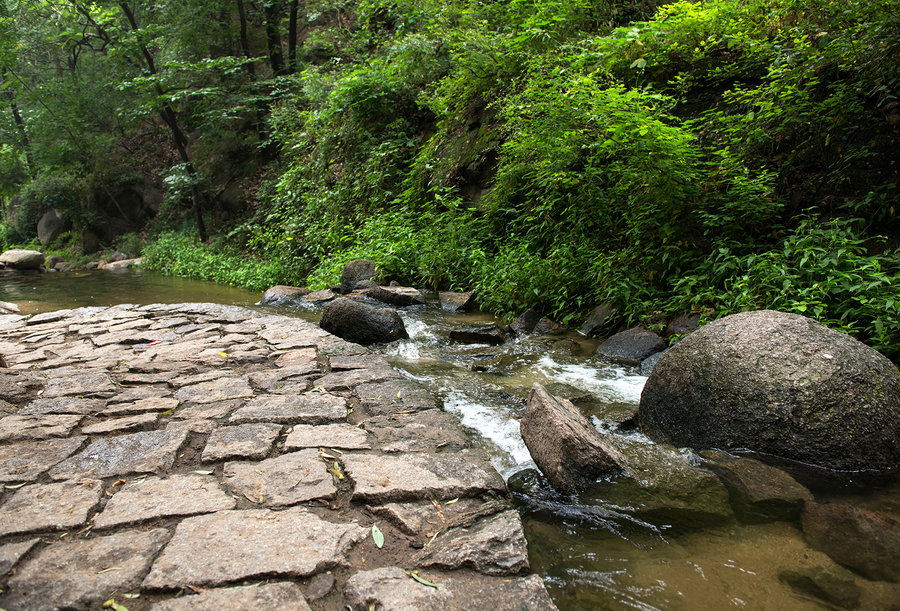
x,y
594,553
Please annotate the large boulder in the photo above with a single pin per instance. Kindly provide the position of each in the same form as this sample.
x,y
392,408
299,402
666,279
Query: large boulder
x,y
631,346
357,272
400,296
456,302
51,226
490,334
22,259
563,443
362,323
281,294
781,384
601,316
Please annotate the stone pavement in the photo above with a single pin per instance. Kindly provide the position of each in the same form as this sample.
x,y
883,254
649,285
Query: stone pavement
x,y
196,456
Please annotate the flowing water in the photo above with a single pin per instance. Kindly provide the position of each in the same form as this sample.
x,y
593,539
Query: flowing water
x,y
594,553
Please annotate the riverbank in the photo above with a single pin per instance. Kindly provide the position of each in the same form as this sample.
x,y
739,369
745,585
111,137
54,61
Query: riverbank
x,y
177,450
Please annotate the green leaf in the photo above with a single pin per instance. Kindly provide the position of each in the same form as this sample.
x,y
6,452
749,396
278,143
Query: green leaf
x,y
377,536
423,581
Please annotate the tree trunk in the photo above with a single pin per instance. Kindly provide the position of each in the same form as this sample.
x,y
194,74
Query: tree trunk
x,y
292,37
273,40
245,44
20,126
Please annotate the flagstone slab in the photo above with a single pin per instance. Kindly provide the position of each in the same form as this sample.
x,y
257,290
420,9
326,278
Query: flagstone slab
x,y
284,480
206,411
394,396
296,358
79,384
84,572
273,379
144,452
62,405
141,406
386,478
340,436
424,431
348,380
140,393
12,553
18,427
251,441
393,588
196,378
24,462
267,597
423,518
56,506
220,389
307,408
203,427
218,548
128,424
155,497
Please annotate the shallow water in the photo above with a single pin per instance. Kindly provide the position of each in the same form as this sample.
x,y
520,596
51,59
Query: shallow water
x,y
592,552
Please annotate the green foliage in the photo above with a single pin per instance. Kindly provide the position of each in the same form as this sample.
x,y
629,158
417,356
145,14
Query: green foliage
x,y
46,191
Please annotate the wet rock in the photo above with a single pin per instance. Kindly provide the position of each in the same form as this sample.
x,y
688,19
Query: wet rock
x,y
24,462
526,322
322,296
357,271
222,389
546,326
757,488
361,323
494,546
456,302
528,482
489,334
251,441
72,574
424,519
155,497
308,408
134,453
8,308
213,549
117,266
16,428
781,384
683,324
569,392
400,296
565,347
566,447
49,506
18,258
865,541
650,362
599,318
266,597
284,480
128,424
381,479
340,436
12,553
393,588
631,346
831,584
281,295
319,586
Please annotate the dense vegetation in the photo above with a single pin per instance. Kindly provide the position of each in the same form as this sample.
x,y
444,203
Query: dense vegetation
x,y
711,156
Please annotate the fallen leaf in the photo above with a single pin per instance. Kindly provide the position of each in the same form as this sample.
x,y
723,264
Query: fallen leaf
x,y
202,472
112,604
451,501
107,570
225,354
422,580
377,536
13,487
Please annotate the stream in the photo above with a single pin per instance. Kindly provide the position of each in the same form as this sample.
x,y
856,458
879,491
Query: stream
x,y
593,553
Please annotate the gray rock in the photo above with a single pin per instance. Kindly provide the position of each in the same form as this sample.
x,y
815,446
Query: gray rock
x,y
600,317
494,546
320,296
267,597
348,380
154,497
566,447
424,519
307,408
361,323
145,452
251,441
526,322
117,266
394,396
683,324
24,462
357,271
832,584
62,405
301,359
781,384
205,411
51,226
280,295
141,406
12,553
492,335
221,389
456,302
18,258
400,296
75,574
319,586
128,424
381,479
650,362
631,346
8,308
865,541
82,385
49,506
420,431
16,428
340,436
394,588
284,480
545,326
213,549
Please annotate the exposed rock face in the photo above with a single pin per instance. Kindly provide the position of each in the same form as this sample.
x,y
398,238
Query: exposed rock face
x,y
599,317
22,259
456,302
361,323
400,296
526,322
631,346
781,384
489,334
564,445
281,294
862,540
51,226
355,272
